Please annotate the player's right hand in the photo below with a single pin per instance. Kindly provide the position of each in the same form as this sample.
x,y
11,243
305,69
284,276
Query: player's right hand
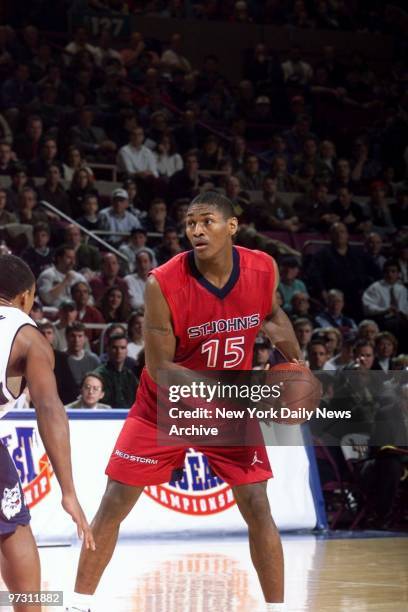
x,y
72,506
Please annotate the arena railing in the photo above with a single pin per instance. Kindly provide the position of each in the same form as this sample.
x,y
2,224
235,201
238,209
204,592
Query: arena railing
x,y
71,221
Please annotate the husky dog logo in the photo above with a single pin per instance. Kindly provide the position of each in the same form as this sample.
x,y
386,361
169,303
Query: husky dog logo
x,y
11,501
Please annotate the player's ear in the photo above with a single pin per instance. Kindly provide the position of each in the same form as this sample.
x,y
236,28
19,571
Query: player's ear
x,y
233,225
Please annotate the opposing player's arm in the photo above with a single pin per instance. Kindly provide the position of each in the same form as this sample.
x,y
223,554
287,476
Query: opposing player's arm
x,y
160,341
279,329
35,360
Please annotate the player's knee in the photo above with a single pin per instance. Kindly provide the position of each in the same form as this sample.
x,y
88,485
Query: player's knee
x,y
116,502
255,510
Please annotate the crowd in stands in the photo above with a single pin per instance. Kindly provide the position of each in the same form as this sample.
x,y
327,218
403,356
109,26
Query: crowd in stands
x,y
316,149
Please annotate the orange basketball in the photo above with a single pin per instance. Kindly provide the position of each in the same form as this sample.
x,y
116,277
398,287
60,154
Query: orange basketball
x,y
300,392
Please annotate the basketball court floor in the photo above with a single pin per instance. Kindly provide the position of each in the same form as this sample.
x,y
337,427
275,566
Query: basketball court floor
x,y
361,574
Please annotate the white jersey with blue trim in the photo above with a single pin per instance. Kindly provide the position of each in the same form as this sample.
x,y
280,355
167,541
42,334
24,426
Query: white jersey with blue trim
x,y
11,321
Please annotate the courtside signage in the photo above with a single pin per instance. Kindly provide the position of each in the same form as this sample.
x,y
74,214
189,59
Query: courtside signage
x,y
198,492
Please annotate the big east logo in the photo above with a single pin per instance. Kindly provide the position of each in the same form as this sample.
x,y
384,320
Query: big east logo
x,y
33,465
199,492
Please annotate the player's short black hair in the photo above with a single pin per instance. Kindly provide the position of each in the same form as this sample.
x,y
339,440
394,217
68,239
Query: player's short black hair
x,y
15,277
217,200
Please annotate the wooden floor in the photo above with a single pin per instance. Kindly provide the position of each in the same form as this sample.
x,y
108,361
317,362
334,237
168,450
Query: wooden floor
x,y
202,575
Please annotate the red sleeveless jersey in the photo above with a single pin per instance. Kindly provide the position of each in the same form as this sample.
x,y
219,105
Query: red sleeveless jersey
x,y
214,328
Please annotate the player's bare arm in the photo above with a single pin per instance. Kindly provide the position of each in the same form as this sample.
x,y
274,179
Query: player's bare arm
x,y
32,357
279,329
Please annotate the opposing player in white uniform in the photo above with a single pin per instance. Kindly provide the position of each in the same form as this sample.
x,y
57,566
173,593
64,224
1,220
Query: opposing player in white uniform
x,y
27,358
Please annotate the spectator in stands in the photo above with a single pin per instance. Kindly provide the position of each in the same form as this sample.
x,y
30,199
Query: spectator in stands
x,y
39,256
67,314
317,354
54,284
399,210
74,162
91,139
332,338
303,330
272,212
108,277
344,357
296,136
86,255
300,306
135,334
136,282
367,330
285,181
188,134
262,353
120,383
289,268
296,71
52,190
313,210
333,315
385,347
66,386
186,183
156,220
117,218
135,159
169,246
250,176
104,52
342,177
364,168
28,210
386,301
28,145
211,153
91,218
238,152
168,161
172,59
349,212
82,184
7,161
78,45
401,255
114,305
92,392
327,157
48,156
137,240
81,294
18,91
19,180
80,361
379,211
342,262
5,216
373,247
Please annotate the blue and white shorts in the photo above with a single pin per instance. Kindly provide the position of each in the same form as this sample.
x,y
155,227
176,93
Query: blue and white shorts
x,y
13,509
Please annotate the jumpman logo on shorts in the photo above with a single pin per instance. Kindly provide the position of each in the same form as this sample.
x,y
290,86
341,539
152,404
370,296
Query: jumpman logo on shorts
x,y
255,459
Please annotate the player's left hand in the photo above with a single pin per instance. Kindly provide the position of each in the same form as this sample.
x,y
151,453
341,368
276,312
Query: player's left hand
x,y
72,506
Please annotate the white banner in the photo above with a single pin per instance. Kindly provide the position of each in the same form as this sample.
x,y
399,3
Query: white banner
x,y
199,502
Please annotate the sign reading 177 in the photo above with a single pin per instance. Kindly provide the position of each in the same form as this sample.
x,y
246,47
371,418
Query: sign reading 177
x,y
116,25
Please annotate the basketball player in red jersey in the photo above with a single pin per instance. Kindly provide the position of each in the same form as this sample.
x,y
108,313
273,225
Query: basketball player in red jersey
x,y
192,306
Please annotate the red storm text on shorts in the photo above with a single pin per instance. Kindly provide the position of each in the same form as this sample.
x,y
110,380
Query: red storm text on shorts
x,y
135,458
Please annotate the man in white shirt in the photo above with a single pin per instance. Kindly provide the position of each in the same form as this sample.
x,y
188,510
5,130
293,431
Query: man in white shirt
x,y
386,301
54,283
136,159
137,282
117,218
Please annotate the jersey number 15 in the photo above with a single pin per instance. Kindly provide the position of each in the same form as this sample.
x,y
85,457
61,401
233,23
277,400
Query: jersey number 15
x,y
231,347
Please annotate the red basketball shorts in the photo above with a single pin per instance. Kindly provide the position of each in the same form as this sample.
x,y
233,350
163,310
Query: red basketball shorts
x,y
137,459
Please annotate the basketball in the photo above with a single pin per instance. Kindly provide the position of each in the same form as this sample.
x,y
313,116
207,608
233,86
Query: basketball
x,y
300,392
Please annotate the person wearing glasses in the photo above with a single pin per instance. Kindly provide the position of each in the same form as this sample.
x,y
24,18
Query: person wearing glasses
x,y
92,391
